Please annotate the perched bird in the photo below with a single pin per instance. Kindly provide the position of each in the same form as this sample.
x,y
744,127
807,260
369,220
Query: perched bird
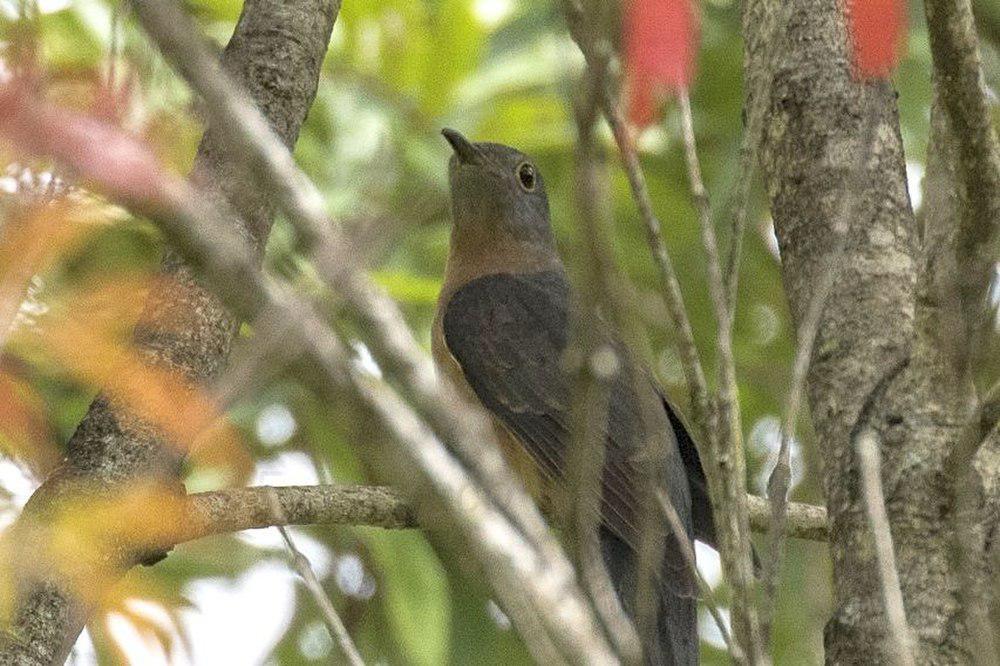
x,y
500,333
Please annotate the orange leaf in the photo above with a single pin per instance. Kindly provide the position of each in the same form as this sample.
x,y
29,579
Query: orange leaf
x,y
89,341
32,239
24,430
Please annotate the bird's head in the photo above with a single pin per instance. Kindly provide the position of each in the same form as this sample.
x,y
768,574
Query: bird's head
x,y
496,190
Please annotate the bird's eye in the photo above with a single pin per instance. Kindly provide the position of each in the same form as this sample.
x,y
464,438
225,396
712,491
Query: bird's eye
x,y
526,176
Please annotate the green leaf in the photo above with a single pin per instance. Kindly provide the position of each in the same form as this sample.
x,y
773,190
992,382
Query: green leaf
x,y
415,594
407,287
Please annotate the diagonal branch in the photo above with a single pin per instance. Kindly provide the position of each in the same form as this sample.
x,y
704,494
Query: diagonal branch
x,y
597,57
304,568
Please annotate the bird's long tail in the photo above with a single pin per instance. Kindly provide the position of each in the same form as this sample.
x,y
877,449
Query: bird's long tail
x,y
676,641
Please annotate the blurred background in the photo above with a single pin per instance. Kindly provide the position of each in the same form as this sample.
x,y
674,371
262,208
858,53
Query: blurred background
x,y
397,72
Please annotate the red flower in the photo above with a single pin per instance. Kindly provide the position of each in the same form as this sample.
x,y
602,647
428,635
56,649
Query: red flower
x,y
878,31
661,42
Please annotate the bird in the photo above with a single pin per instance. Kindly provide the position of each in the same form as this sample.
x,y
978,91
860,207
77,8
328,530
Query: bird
x,y
500,334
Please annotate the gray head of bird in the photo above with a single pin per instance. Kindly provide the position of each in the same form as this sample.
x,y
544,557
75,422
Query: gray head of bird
x,y
496,189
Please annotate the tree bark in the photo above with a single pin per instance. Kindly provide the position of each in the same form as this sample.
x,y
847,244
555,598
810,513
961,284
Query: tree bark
x,y
276,51
875,365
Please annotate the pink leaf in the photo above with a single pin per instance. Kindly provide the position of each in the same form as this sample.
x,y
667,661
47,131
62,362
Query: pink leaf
x,y
661,43
878,31
121,166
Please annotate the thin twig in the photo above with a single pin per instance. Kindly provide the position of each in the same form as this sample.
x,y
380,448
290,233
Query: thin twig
x,y
687,350
759,94
898,630
599,364
597,58
304,568
705,590
114,48
733,526
587,464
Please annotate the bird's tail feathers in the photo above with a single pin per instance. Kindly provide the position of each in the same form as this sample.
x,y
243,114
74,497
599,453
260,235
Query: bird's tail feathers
x,y
676,640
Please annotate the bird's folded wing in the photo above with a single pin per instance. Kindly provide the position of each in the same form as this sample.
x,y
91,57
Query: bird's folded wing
x,y
508,334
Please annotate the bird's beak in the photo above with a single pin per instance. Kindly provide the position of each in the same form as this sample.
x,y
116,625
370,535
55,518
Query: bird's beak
x,y
465,150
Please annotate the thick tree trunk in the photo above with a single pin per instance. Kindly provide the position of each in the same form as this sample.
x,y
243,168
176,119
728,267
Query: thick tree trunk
x,y
276,52
876,364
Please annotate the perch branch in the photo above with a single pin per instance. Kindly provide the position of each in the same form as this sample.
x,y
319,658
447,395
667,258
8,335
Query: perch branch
x,y
234,510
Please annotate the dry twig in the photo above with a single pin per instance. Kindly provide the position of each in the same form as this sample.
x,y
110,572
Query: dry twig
x,y
898,631
706,591
597,368
304,568
731,518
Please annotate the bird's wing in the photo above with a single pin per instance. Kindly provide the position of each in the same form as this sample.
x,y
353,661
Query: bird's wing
x,y
508,334
701,507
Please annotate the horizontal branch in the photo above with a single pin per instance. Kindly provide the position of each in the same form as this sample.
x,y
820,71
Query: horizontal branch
x,y
239,509
805,521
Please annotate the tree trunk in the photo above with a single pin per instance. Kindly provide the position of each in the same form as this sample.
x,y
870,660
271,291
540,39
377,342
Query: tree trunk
x,y
833,163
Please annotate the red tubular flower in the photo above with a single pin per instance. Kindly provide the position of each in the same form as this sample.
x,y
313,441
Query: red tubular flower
x,y
661,42
877,32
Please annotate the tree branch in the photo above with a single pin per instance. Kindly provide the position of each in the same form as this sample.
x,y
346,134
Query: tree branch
x,y
729,478
238,509
958,76
969,169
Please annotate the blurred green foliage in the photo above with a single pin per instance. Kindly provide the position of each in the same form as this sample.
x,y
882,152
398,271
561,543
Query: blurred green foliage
x,y
398,71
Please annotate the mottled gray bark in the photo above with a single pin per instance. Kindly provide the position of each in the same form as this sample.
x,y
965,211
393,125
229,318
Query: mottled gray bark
x,y
276,52
877,362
